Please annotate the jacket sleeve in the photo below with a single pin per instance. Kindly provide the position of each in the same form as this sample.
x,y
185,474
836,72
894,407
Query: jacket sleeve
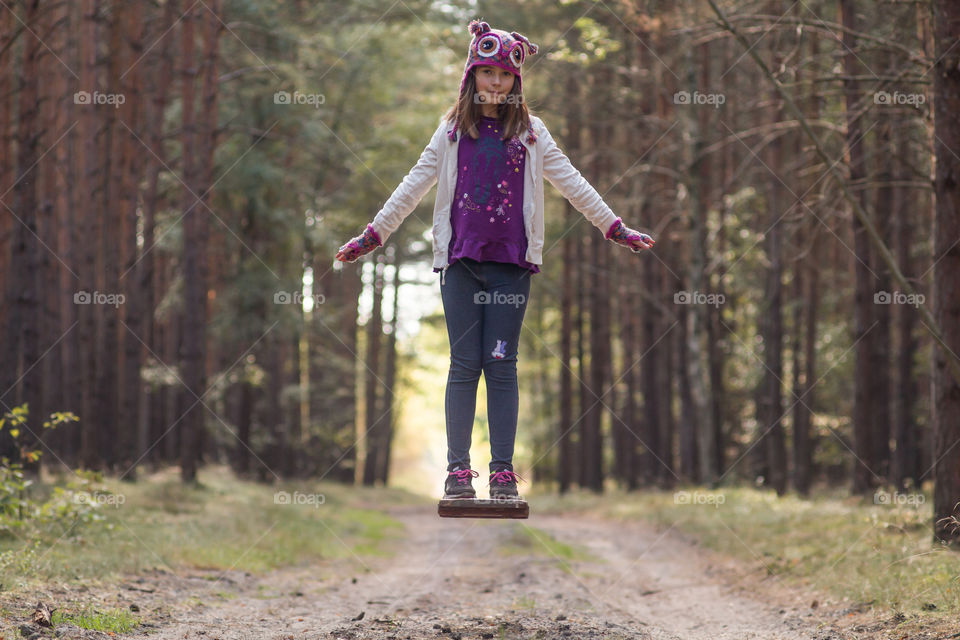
x,y
558,169
411,190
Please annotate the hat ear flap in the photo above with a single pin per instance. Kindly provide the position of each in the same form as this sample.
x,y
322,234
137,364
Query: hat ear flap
x,y
532,48
477,27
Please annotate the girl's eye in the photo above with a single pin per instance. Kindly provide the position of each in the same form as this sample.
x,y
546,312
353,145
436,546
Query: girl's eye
x,y
488,46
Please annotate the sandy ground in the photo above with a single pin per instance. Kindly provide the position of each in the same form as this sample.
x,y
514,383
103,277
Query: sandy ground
x,y
475,579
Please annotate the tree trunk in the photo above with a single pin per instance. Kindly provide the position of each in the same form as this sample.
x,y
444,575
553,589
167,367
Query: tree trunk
x,y
583,330
346,427
153,424
807,274
946,400
8,342
600,324
864,474
390,374
905,465
26,259
565,476
131,385
374,420
193,343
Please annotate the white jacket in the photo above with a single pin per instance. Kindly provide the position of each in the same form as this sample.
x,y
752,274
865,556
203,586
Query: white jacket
x,y
438,164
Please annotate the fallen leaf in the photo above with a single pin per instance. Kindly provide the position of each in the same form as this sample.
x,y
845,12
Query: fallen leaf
x,y
42,614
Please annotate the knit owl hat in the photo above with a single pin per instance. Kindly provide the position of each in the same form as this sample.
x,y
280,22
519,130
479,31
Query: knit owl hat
x,y
497,48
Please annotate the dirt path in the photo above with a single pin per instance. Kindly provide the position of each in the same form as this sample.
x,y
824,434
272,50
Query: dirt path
x,y
466,579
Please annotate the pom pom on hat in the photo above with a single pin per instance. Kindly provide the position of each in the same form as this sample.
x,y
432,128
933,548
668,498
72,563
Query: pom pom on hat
x,y
477,27
532,48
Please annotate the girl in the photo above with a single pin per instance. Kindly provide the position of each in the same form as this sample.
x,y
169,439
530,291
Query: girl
x,y
488,158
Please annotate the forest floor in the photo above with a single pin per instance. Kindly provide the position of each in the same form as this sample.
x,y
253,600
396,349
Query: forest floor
x,y
554,575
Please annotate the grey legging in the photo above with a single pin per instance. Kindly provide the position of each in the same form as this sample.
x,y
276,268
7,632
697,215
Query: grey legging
x,y
483,303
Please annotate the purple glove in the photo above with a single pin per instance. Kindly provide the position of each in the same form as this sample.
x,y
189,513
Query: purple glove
x,y
359,246
627,237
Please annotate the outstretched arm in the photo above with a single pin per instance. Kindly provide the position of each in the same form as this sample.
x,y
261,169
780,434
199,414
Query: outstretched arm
x,y
399,205
561,173
411,190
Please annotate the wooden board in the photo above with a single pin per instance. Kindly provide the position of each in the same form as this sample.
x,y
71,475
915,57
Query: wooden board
x,y
482,508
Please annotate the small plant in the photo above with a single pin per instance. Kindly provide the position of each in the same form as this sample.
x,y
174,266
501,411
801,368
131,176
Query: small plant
x,y
115,620
67,506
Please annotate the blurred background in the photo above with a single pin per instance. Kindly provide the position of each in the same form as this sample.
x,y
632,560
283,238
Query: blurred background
x,y
176,177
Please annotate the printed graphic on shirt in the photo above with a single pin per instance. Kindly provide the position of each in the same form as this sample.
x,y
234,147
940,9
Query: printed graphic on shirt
x,y
492,161
500,351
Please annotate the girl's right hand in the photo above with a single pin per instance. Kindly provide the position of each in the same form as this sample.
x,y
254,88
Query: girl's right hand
x,y
359,246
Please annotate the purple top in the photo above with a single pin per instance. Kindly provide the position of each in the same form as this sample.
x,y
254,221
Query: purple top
x,y
487,210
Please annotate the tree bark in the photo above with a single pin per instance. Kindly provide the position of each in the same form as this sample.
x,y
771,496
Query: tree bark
x,y
864,474
193,343
390,373
25,257
946,389
372,387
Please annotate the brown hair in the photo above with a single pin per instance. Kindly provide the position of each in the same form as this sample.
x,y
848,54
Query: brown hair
x,y
467,110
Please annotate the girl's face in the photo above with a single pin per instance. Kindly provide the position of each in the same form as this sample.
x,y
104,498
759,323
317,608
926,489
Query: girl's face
x,y
493,83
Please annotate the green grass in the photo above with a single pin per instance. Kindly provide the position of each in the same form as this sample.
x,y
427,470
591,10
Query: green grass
x,y
522,539
115,620
845,546
221,524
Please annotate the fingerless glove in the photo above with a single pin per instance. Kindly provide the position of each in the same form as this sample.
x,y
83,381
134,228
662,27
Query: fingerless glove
x,y
361,245
627,237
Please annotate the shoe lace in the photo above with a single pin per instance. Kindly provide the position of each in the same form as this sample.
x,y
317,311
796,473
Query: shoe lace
x,y
504,476
463,475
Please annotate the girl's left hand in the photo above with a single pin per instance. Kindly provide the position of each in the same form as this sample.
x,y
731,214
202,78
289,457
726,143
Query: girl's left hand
x,y
627,237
